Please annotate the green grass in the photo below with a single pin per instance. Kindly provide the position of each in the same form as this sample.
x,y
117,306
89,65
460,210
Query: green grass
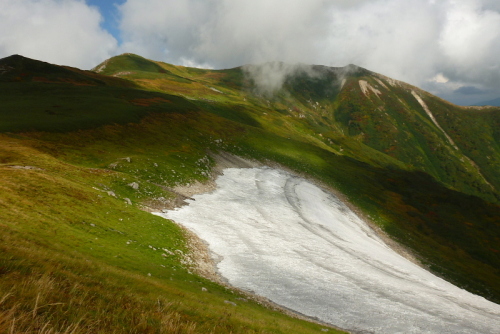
x,y
32,107
71,243
75,259
129,62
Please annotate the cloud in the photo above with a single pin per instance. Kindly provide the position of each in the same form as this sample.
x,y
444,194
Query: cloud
x,y
410,40
470,90
422,42
470,42
64,32
268,77
166,30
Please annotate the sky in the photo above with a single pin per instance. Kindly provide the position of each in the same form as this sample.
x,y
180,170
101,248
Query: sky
x,y
447,47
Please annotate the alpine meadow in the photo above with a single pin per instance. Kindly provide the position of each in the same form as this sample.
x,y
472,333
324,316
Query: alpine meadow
x,y
86,157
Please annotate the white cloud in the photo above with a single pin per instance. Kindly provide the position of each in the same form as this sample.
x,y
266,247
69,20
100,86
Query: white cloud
x,y
410,40
470,42
393,37
270,76
65,32
224,33
440,78
164,29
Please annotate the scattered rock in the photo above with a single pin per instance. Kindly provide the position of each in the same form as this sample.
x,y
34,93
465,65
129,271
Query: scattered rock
x,y
204,289
230,302
216,90
113,230
168,251
25,167
134,185
111,193
128,201
122,73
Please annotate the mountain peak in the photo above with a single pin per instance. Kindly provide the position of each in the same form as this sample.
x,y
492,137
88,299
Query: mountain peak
x,y
21,68
17,60
18,68
128,62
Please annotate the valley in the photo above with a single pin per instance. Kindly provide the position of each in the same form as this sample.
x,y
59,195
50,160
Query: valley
x,y
85,156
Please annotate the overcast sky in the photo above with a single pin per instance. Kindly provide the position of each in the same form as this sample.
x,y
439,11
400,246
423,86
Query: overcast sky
x,y
448,47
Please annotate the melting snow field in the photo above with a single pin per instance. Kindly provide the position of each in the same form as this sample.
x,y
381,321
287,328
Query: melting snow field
x,y
284,238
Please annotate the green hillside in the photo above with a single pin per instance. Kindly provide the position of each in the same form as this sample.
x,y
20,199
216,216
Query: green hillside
x,y
83,154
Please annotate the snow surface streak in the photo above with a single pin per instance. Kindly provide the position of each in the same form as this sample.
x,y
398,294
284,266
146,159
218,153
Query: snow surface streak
x,y
286,239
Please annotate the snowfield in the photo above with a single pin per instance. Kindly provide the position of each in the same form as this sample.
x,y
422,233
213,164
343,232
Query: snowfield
x,y
283,238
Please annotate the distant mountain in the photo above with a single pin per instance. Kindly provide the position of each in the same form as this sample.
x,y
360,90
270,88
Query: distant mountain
x,y
84,153
494,102
394,122
17,68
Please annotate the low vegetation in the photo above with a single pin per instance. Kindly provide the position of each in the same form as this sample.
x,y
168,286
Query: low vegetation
x,y
82,160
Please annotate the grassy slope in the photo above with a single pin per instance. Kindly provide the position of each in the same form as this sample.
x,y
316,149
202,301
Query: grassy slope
x,y
454,233
389,140
75,257
392,122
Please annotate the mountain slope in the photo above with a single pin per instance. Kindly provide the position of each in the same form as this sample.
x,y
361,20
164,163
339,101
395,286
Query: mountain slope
x,y
17,68
417,129
494,102
421,169
406,126
45,97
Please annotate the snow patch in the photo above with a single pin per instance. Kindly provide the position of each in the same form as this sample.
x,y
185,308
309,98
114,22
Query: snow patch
x,y
429,113
284,238
366,88
215,90
390,81
101,68
381,83
342,84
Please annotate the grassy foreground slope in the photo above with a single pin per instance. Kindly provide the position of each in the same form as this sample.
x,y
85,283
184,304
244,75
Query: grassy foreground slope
x,y
78,251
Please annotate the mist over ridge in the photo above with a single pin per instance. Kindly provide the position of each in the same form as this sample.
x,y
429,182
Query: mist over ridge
x,y
447,47
86,156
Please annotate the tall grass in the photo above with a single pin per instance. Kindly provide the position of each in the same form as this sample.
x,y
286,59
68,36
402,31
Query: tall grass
x,y
74,259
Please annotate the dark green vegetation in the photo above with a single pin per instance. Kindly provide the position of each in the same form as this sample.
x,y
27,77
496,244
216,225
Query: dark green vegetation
x,y
77,251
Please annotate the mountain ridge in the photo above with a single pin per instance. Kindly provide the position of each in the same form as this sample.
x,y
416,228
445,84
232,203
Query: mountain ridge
x,y
371,140
489,103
